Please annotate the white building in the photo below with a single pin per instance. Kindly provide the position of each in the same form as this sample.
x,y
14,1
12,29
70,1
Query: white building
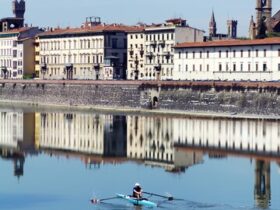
x,y
252,60
17,52
136,54
93,51
71,132
158,55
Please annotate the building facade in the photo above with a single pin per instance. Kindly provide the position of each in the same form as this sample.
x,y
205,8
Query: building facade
x,y
90,52
136,54
17,52
158,54
251,60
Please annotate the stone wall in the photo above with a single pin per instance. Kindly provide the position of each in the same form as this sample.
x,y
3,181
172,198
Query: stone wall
x,y
223,101
73,95
136,96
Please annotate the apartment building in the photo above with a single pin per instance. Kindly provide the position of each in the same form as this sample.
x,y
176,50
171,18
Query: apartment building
x,y
93,51
154,46
17,52
136,53
251,60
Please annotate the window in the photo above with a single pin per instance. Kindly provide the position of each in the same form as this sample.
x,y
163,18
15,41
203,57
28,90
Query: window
x,y
249,66
234,67
114,43
179,55
264,53
220,67
241,67
227,53
193,67
249,53
264,67
187,67
200,54
220,54
207,54
278,66
207,67
234,53
186,54
14,53
257,67
257,53
200,67
193,54
278,52
241,53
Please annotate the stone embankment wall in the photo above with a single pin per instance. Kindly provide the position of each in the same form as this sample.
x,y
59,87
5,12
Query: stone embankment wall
x,y
222,98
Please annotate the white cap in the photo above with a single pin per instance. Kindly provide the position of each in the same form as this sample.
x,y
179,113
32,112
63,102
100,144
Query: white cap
x,y
137,184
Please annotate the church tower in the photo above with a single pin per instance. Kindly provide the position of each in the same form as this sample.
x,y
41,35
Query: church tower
x,y
212,26
232,29
263,21
19,8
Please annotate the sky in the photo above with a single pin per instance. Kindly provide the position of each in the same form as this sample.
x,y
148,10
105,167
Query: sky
x,y
64,13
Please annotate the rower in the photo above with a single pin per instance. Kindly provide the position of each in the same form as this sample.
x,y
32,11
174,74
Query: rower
x,y
137,191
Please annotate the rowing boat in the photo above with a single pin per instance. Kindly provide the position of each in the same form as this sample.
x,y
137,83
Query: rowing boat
x,y
137,202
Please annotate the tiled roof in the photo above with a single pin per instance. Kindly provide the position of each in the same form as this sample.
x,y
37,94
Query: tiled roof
x,y
18,30
99,28
226,43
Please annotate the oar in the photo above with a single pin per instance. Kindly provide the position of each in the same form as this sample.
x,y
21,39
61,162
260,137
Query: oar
x,y
170,198
95,200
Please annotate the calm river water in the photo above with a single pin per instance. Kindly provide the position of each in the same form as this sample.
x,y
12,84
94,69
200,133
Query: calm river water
x,y
59,160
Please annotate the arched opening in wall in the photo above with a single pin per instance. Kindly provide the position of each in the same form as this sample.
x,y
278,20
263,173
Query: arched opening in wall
x,y
155,102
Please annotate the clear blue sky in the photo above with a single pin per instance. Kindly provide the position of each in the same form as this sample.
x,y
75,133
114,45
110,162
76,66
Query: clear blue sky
x,y
197,12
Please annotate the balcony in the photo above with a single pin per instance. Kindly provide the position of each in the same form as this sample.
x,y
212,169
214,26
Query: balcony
x,y
161,43
153,44
158,67
149,55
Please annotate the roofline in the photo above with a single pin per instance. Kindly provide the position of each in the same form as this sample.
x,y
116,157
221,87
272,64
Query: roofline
x,y
229,44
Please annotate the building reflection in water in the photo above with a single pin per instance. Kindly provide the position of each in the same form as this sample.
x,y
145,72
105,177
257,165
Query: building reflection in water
x,y
171,143
17,138
151,139
262,184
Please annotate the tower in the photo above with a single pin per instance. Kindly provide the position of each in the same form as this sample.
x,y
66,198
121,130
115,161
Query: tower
x,y
262,184
252,29
263,15
232,28
212,26
19,8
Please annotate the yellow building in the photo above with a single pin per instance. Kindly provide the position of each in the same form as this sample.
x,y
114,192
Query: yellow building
x,y
17,53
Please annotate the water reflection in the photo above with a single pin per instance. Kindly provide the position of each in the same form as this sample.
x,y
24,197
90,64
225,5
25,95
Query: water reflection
x,y
174,144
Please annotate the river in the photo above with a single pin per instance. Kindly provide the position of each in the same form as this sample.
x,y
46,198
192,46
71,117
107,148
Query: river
x,y
60,159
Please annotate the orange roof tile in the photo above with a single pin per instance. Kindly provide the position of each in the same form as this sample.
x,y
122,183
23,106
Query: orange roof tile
x,y
226,43
92,29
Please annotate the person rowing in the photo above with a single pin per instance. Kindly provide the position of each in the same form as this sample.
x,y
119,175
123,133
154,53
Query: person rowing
x,y
137,192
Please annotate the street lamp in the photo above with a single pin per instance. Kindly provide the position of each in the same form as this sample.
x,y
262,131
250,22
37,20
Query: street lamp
x,y
43,69
5,71
96,67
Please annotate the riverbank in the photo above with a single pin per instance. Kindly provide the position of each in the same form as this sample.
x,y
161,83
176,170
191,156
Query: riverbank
x,y
26,107
199,99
